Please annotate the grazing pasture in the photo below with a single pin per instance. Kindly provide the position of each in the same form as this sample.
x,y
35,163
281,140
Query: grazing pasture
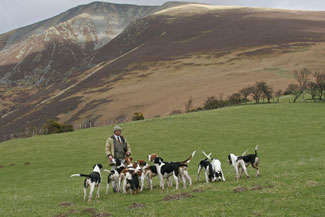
x,y
35,172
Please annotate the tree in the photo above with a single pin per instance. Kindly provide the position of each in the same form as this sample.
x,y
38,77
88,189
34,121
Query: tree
x,y
189,105
292,89
302,78
52,126
278,94
245,92
235,99
320,82
265,89
137,116
256,94
213,103
313,88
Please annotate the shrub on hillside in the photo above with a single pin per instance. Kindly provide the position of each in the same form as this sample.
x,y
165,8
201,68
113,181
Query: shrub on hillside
x,y
213,103
52,126
291,89
235,99
137,116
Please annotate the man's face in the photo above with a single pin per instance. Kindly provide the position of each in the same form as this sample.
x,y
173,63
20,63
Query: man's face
x,y
117,132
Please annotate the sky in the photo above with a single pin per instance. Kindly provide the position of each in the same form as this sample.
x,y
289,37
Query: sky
x,y
18,13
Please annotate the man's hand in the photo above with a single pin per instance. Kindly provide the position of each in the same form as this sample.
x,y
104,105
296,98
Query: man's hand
x,y
110,157
127,154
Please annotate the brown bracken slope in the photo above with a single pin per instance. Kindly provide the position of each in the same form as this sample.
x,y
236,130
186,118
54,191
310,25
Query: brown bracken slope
x,y
159,61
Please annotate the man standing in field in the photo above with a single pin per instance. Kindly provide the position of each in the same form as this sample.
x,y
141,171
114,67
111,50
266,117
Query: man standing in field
x,y
117,146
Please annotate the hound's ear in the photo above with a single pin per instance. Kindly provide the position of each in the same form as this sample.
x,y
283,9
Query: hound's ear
x,y
100,166
94,166
131,158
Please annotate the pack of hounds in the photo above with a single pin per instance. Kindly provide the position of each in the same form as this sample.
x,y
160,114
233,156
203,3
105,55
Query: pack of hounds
x,y
130,177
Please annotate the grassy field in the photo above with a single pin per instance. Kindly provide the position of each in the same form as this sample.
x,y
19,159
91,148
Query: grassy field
x,y
291,143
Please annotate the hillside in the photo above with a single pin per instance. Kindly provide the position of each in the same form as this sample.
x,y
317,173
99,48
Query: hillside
x,y
157,62
291,151
52,50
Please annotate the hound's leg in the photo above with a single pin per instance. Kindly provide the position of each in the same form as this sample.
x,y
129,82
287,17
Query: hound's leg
x,y
206,176
92,186
236,170
85,189
107,187
245,170
85,193
183,179
119,184
142,181
255,165
241,171
198,173
97,193
169,182
176,181
150,182
162,183
188,177
223,177
124,185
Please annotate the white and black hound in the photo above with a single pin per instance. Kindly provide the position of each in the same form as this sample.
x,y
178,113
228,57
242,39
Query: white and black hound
x,y
132,183
93,180
175,169
244,161
148,172
114,175
213,170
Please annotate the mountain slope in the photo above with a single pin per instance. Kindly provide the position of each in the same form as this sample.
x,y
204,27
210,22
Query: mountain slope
x,y
52,50
159,61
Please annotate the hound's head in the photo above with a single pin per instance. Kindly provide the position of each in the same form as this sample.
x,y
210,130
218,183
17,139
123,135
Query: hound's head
x,y
218,175
151,157
97,167
158,160
142,163
128,160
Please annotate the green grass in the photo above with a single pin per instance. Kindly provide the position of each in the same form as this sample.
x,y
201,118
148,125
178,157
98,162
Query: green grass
x,y
291,143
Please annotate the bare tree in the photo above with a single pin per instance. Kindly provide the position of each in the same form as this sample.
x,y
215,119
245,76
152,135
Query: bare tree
x,y
245,92
320,82
189,105
313,88
235,99
256,94
278,94
265,89
302,78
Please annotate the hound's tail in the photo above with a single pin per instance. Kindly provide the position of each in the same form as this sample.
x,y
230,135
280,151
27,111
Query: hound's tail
x,y
207,155
243,154
188,159
81,175
109,172
256,150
